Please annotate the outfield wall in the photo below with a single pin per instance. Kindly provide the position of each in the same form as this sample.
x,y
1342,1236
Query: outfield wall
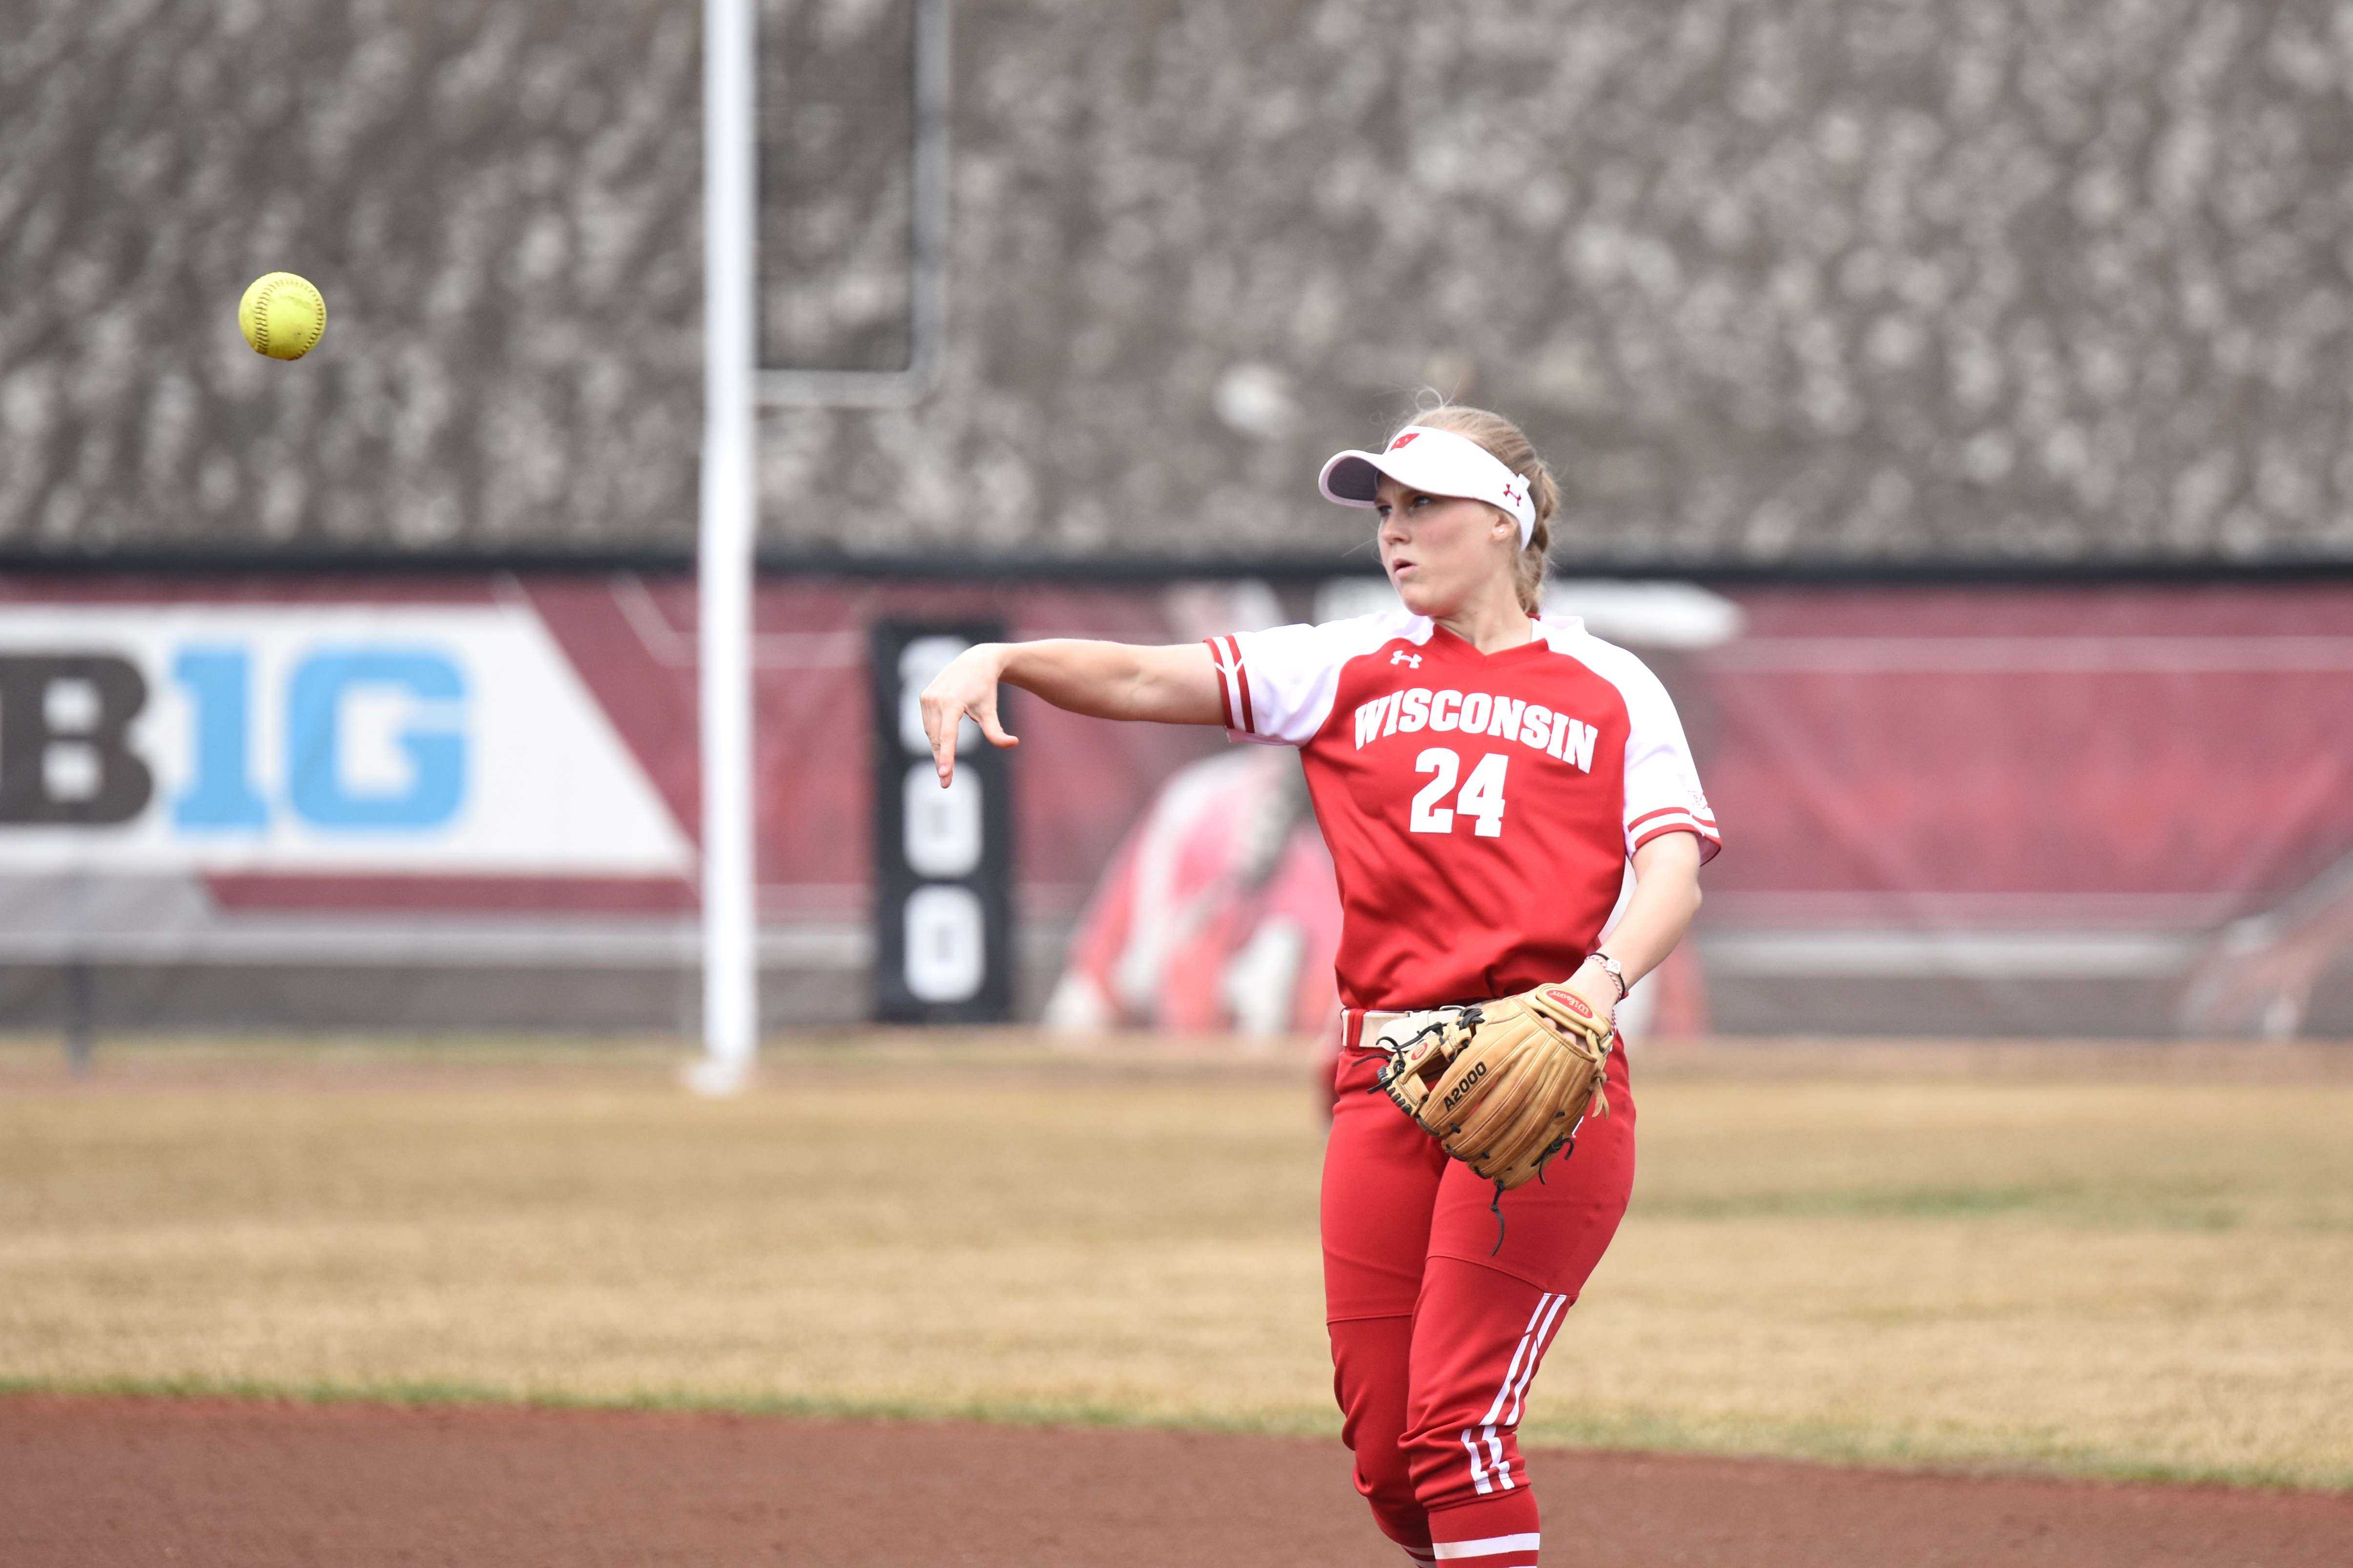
x,y
469,800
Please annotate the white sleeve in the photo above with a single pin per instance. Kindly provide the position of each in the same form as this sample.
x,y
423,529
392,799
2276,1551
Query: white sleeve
x,y
1277,687
1663,792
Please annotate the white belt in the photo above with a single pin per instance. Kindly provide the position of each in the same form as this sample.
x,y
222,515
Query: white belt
x,y
1359,1027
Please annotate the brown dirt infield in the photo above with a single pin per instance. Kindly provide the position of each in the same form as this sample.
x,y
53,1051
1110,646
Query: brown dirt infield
x,y
94,1481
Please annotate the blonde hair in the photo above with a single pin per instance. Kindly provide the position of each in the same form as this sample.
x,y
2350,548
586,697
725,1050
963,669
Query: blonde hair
x,y
1508,444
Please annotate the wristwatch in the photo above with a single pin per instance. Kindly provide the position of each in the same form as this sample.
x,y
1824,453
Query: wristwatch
x,y
1609,966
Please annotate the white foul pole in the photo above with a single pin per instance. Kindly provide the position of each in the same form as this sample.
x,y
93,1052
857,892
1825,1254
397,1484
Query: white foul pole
x,y
725,541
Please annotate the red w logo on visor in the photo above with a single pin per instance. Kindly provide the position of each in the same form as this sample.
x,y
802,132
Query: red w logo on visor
x,y
1401,440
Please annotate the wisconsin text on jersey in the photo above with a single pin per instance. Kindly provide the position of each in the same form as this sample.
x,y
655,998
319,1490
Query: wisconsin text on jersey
x,y
1478,713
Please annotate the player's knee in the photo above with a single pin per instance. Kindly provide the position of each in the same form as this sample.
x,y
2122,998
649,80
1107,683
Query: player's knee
x,y
1386,1479
1454,1464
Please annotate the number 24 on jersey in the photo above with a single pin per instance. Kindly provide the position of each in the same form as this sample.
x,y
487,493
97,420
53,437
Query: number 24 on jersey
x,y
1482,796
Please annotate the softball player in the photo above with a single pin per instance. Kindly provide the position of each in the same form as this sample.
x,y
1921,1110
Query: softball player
x,y
1483,776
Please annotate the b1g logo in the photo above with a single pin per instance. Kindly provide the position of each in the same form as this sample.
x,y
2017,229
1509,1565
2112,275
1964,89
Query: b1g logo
x,y
69,749
313,738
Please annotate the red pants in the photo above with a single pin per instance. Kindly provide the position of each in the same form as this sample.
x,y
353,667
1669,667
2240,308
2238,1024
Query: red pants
x,y
1436,1332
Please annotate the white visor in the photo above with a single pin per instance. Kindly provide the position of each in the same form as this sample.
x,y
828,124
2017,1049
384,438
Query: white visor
x,y
1436,463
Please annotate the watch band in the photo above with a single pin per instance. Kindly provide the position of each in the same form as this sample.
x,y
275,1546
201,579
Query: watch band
x,y
1611,967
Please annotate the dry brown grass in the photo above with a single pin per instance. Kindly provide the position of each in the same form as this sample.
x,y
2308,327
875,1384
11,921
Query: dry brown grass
x,y
2112,1276
2122,1277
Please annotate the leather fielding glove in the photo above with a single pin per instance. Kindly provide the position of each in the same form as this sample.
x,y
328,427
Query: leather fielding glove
x,y
1501,1085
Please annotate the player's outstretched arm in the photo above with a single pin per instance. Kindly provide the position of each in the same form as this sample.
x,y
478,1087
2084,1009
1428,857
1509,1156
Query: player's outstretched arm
x,y
1173,685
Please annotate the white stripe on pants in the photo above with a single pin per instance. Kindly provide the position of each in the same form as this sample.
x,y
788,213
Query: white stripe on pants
x,y
1515,1380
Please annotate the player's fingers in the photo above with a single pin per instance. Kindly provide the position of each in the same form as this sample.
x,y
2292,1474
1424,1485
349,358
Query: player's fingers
x,y
990,726
939,728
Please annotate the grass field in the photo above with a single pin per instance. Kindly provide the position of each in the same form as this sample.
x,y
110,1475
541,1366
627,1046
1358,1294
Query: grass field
x,y
2101,1275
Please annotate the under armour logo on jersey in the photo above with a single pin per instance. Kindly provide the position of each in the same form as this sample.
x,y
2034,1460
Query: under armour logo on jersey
x,y
1401,656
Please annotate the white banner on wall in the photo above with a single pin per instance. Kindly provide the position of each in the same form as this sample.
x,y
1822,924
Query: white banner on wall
x,y
313,737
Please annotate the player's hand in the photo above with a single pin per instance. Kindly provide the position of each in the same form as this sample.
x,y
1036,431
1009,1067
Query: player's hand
x,y
966,689
1592,983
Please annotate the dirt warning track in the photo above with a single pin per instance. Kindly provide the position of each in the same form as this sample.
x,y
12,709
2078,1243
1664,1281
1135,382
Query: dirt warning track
x,y
91,1482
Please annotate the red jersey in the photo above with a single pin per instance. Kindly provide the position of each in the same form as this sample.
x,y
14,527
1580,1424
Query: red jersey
x,y
1480,808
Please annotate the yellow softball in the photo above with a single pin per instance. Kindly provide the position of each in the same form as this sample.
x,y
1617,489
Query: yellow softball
x,y
282,315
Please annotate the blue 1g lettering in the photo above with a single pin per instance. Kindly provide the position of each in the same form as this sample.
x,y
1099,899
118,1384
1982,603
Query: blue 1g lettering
x,y
222,794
